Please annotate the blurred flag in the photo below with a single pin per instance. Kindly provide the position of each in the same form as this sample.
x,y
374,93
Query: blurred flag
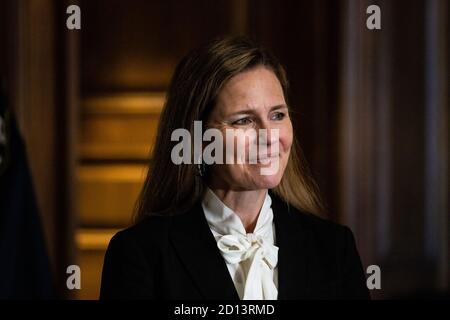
x,y
24,264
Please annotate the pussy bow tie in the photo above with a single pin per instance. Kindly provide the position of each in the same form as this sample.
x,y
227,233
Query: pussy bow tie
x,y
262,257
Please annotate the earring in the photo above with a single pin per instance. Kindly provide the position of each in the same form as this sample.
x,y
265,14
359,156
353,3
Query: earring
x,y
201,167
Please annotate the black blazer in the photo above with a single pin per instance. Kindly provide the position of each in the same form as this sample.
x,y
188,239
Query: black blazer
x,y
176,257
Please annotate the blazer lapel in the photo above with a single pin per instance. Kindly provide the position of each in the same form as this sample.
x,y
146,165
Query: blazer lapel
x,y
197,249
292,240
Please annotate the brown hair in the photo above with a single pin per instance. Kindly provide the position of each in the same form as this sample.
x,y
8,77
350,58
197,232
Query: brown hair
x,y
197,81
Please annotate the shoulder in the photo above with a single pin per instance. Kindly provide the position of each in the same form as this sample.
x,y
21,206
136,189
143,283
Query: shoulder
x,y
151,228
333,242
333,252
151,231
327,234
131,255
321,227
323,235
301,220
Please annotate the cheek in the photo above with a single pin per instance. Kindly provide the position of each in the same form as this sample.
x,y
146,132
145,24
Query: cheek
x,y
244,143
286,138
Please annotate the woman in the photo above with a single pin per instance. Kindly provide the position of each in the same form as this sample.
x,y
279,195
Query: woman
x,y
229,230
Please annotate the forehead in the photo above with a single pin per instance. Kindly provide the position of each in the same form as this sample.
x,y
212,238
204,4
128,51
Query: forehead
x,y
255,88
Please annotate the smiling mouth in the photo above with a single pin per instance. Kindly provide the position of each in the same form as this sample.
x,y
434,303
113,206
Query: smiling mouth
x,y
267,160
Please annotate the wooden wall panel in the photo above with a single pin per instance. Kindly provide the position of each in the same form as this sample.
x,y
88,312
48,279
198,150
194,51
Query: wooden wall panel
x,y
107,193
92,245
120,126
385,145
135,45
31,92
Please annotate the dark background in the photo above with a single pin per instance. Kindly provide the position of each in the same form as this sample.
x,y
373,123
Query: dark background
x,y
371,109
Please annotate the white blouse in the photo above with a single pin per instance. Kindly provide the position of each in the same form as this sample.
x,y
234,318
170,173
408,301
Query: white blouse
x,y
251,258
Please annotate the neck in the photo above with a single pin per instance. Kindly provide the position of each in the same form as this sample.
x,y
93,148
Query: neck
x,y
246,204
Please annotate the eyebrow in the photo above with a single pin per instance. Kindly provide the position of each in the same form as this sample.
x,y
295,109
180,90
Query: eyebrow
x,y
249,111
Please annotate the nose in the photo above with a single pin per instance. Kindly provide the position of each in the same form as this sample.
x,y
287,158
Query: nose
x,y
268,136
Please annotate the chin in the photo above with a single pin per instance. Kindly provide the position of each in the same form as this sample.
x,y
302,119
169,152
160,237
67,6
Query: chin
x,y
268,182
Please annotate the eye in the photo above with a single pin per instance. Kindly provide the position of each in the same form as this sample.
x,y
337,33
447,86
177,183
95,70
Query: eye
x,y
242,121
278,116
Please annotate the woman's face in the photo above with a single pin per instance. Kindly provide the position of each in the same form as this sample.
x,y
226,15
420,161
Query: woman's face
x,y
250,101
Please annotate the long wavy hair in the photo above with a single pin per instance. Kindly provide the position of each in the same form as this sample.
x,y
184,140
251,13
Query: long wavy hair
x,y
192,93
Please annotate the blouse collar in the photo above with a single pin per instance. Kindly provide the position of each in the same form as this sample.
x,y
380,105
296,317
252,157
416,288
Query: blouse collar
x,y
223,220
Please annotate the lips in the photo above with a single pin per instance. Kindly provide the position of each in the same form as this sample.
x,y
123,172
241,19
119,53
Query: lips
x,y
264,159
